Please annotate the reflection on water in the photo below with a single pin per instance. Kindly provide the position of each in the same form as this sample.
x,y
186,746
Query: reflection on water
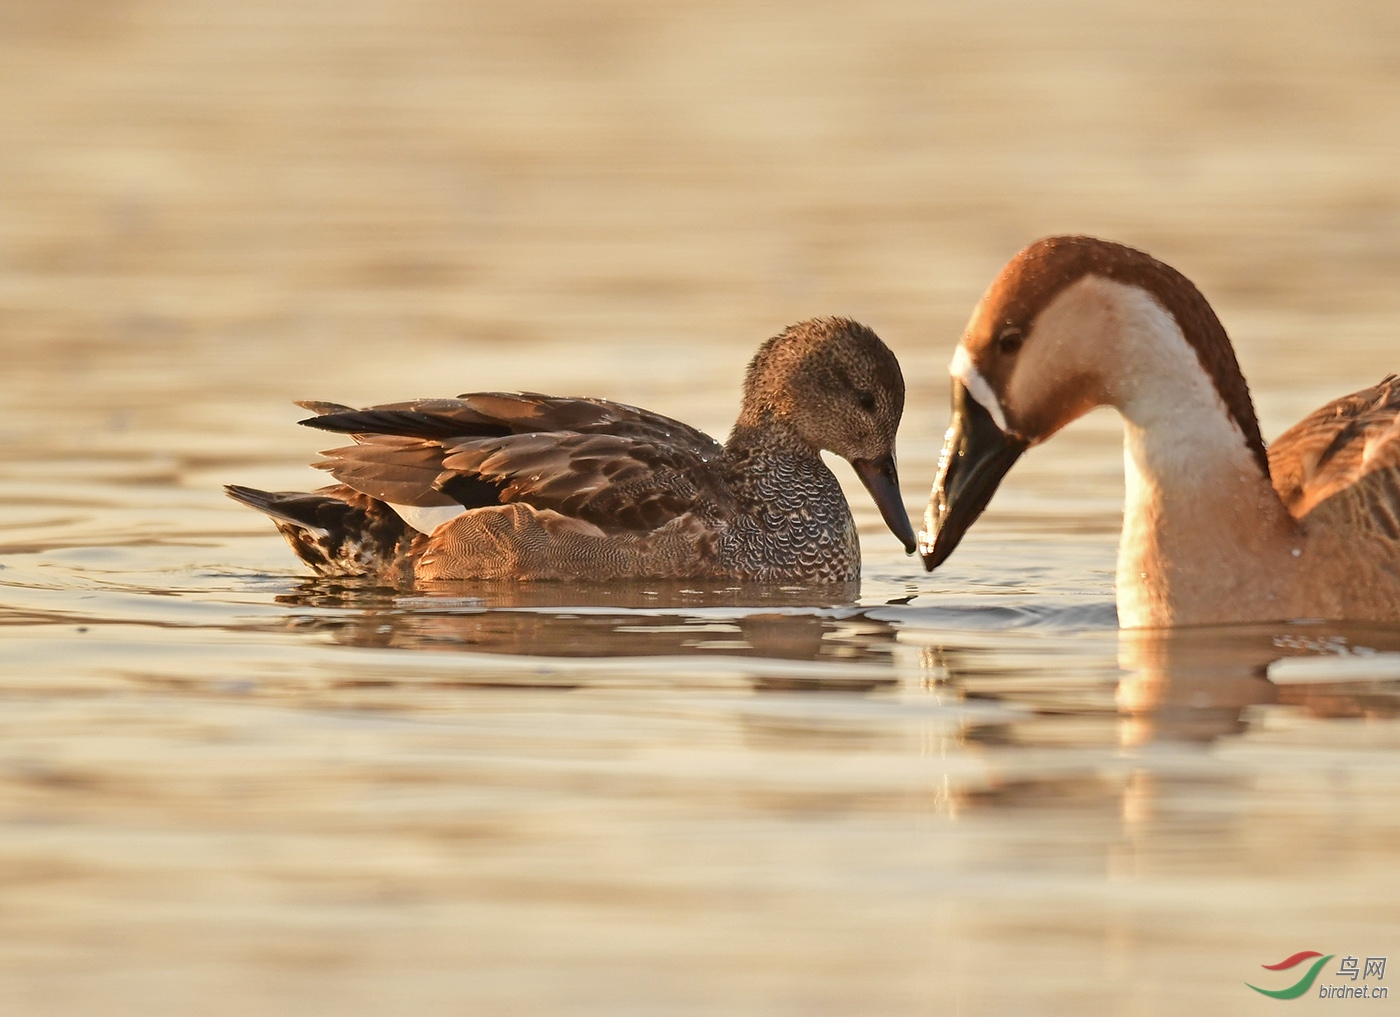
x,y
564,780
568,778
1199,685
566,620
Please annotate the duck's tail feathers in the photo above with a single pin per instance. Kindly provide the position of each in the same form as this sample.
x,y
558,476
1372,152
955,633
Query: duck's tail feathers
x,y
336,530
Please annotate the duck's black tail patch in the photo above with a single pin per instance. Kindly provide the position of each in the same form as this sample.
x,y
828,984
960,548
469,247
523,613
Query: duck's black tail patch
x,y
336,530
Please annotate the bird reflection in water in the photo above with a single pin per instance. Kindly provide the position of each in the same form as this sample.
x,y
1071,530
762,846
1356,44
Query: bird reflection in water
x,y
645,619
1179,687
1197,685
1182,688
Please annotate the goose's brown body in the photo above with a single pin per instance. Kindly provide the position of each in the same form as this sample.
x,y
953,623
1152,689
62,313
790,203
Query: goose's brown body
x,y
1337,472
529,487
1217,528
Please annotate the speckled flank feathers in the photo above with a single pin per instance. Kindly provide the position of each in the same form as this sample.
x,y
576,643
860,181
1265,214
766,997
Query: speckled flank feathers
x,y
531,487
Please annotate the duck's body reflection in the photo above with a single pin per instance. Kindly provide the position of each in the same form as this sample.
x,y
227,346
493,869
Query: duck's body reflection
x,y
614,620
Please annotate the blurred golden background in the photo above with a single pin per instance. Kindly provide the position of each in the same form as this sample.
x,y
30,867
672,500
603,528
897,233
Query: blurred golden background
x,y
228,182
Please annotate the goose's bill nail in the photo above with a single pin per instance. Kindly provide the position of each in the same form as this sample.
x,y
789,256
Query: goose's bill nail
x,y
976,455
881,479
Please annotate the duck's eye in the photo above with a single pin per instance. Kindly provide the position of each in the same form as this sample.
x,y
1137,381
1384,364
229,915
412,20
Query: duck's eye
x,y
1009,341
866,400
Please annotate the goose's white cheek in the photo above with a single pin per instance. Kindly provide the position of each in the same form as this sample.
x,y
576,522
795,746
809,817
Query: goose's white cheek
x,y
964,370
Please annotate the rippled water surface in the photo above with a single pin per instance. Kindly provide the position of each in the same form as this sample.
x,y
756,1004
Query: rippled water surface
x,y
229,788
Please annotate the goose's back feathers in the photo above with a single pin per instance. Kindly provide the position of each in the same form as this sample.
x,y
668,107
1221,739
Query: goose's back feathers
x,y
1347,450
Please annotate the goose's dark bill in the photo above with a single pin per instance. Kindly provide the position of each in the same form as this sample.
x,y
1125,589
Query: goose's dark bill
x,y
881,479
976,455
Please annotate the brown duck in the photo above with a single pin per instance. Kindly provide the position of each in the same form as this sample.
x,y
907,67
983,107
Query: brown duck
x,y
1216,528
531,487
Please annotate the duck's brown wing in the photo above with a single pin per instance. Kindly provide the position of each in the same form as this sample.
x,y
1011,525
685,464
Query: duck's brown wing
x,y
616,466
613,481
486,414
1343,461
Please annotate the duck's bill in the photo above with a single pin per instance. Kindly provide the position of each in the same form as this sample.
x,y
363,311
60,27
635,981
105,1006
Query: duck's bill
x,y
976,455
881,479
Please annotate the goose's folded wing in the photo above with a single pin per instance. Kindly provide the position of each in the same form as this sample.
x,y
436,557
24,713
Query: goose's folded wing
x,y
1342,462
1368,509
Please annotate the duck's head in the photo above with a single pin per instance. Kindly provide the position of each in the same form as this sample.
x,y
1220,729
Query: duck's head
x,y
834,386
1069,324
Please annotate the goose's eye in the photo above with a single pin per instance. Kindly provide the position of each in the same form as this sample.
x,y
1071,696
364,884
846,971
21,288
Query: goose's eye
x,y
1009,341
867,401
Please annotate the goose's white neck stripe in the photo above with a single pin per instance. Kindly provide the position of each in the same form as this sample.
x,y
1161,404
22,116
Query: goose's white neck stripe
x,y
964,370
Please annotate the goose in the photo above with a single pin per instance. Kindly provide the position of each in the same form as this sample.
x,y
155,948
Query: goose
x,y
525,487
1217,528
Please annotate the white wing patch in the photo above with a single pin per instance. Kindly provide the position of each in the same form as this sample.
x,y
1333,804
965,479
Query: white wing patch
x,y
427,518
964,370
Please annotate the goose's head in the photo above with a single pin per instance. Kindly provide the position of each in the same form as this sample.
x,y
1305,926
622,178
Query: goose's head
x,y
835,387
1069,324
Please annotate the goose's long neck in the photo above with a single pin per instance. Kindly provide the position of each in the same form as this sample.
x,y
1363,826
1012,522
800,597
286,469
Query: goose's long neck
x,y
1202,525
